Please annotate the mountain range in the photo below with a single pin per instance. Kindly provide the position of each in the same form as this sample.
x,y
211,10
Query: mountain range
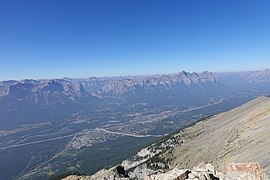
x,y
152,89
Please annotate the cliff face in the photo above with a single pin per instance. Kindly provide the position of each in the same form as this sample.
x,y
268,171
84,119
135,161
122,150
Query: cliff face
x,y
226,141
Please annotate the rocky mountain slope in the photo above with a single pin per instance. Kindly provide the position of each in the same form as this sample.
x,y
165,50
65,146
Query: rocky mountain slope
x,y
128,85
118,86
235,171
43,91
182,87
238,136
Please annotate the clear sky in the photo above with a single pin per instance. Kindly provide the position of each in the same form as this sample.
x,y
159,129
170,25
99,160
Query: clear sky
x,y
82,38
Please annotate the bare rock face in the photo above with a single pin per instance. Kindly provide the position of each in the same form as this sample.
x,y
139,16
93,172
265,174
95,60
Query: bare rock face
x,y
113,176
201,172
245,171
175,174
235,171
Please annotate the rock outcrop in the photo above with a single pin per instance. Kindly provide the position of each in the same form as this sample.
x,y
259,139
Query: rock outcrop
x,y
235,171
245,171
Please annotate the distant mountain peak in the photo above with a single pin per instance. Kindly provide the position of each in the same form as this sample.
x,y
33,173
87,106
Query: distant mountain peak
x,y
184,73
133,87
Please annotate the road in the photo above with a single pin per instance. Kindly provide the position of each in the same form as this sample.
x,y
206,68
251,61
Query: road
x,y
127,134
35,142
200,107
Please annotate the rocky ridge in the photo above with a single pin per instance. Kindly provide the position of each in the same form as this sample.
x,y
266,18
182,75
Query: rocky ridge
x,y
129,88
99,86
235,171
157,89
120,85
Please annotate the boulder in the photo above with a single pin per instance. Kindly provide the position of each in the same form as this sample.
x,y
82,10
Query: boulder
x,y
248,171
175,174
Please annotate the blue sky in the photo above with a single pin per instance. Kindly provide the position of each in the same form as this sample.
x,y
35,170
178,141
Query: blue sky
x,y
64,38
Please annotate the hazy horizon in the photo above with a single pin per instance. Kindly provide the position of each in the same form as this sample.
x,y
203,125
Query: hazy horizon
x,y
135,75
